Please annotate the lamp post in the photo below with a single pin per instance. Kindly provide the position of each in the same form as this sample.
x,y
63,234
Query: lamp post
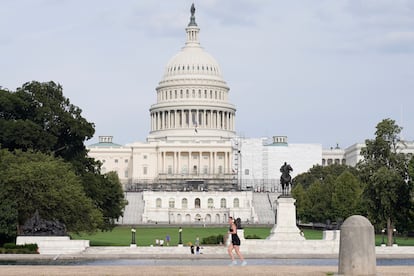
x,y
133,243
383,241
180,240
394,231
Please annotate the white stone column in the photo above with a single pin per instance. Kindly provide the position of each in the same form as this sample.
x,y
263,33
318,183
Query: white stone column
x,y
199,161
163,162
152,121
214,162
178,162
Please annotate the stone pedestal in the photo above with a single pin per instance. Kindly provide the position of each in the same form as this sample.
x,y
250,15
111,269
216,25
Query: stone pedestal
x,y
285,228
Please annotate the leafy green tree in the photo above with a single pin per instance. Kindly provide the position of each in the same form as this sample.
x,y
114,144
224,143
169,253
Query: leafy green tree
x,y
302,202
38,117
319,185
347,196
320,173
108,196
318,207
35,181
8,216
384,169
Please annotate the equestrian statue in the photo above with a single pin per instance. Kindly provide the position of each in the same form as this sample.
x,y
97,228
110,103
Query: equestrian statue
x,y
286,179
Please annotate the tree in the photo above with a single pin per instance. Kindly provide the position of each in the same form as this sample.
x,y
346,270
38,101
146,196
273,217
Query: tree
x,y
319,185
35,181
38,117
319,172
108,196
347,196
302,202
384,170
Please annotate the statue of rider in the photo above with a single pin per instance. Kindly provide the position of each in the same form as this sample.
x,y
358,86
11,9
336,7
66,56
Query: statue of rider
x,y
285,178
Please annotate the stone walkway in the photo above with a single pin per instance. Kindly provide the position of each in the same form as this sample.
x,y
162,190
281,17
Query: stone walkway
x,y
11,270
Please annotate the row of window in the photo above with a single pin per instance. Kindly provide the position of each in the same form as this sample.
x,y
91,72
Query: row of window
x,y
116,161
169,95
177,68
331,161
197,203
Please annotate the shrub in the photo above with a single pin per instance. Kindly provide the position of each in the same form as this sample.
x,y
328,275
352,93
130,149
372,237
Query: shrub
x,y
213,239
11,248
254,236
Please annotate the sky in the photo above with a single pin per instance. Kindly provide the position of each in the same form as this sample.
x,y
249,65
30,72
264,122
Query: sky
x,y
318,71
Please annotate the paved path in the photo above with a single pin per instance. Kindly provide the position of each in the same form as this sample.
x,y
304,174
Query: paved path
x,y
189,270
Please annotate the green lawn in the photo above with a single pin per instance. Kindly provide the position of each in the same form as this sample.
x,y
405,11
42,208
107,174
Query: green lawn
x,y
145,235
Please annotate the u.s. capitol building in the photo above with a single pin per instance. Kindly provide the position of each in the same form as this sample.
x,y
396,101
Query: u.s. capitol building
x,y
193,168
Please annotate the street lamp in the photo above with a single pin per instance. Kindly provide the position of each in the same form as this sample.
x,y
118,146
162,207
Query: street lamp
x,y
383,231
394,235
133,243
180,240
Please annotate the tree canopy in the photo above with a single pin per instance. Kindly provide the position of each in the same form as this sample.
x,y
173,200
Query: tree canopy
x,y
327,194
41,182
385,170
38,118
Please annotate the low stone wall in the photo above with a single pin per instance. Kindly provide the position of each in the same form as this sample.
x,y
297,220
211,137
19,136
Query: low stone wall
x,y
54,245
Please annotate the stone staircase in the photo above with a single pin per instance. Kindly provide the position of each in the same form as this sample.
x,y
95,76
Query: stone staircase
x,y
134,210
263,206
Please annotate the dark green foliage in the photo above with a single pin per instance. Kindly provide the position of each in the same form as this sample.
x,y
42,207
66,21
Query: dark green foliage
x,y
38,118
11,248
320,193
389,186
254,236
213,239
35,181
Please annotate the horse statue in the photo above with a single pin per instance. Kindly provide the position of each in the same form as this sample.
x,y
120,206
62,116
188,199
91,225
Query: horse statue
x,y
285,178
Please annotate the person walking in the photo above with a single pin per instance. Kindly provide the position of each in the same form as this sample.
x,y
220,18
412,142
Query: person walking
x,y
234,243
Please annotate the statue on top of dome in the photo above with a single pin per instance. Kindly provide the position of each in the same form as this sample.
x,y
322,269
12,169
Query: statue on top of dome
x,y
192,18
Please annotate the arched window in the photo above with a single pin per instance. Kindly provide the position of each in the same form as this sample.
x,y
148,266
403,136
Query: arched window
x,y
171,202
236,203
158,203
197,203
184,203
223,203
210,203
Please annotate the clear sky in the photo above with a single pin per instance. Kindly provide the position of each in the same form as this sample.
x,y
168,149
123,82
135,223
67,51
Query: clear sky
x,y
317,71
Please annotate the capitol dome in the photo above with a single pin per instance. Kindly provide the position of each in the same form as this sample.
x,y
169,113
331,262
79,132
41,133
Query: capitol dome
x,y
192,96
194,61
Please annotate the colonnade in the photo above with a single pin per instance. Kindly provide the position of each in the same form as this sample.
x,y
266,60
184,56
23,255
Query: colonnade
x,y
190,118
194,162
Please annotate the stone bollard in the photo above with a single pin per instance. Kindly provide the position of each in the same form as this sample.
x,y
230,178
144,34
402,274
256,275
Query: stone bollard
x,y
357,247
